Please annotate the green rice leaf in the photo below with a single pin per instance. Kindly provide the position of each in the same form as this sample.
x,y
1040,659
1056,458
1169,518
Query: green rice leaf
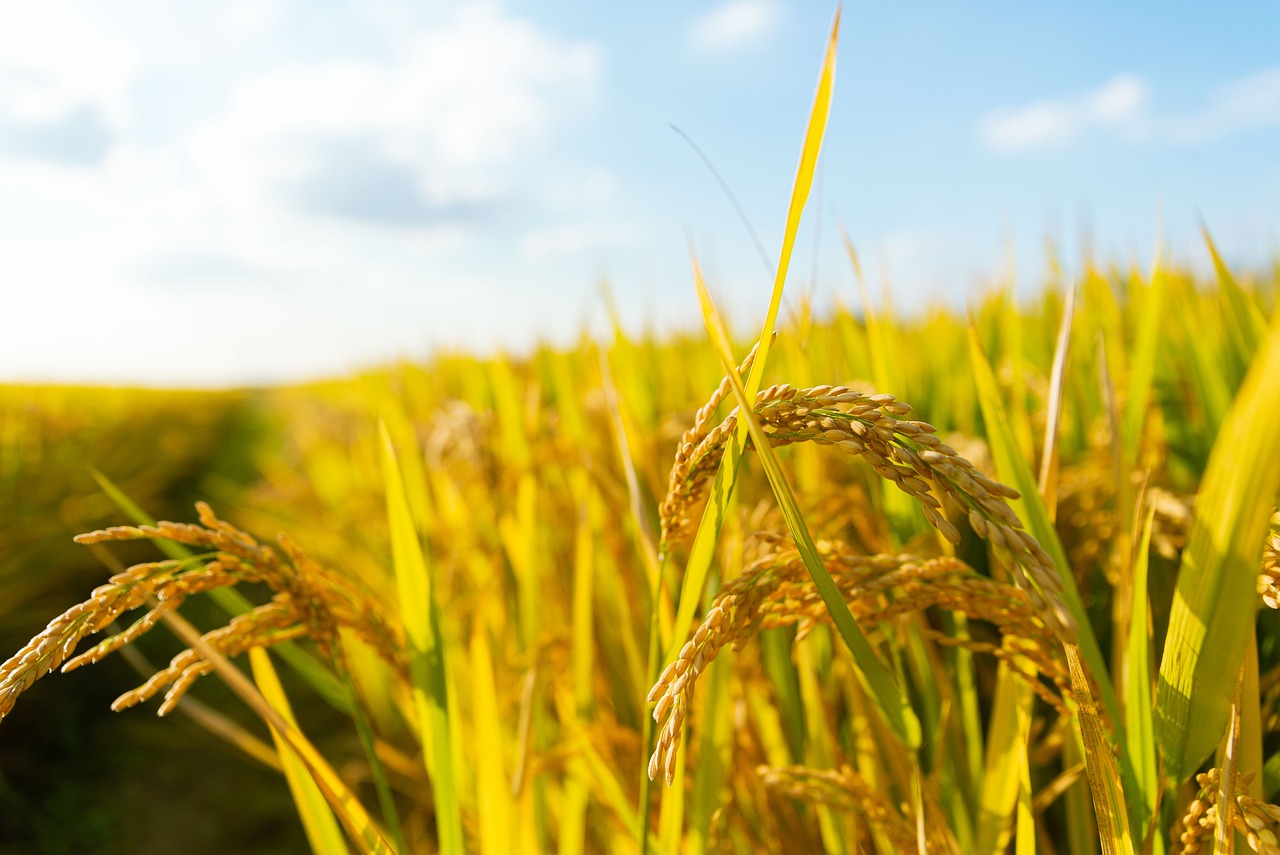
x,y
1139,722
1244,321
1215,601
421,618
1014,469
1142,363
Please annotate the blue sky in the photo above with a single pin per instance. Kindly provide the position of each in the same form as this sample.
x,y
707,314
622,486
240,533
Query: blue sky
x,y
265,190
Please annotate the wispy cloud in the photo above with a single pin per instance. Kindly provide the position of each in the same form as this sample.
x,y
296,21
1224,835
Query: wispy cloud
x,y
1241,105
1118,103
1121,104
575,239
59,57
734,25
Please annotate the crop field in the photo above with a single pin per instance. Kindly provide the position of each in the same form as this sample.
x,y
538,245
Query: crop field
x,y
961,582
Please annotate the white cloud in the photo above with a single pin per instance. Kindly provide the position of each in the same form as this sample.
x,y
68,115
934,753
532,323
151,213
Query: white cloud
x,y
455,104
1118,103
577,239
1241,105
734,24
1121,104
57,56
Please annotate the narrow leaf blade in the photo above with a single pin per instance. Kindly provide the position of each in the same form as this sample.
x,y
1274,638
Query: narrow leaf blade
x,y
1215,599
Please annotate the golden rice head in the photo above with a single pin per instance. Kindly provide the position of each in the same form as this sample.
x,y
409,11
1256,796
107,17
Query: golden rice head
x,y
308,601
776,590
1257,821
903,451
844,790
1269,578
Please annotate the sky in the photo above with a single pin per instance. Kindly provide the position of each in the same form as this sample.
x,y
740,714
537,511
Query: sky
x,y
263,191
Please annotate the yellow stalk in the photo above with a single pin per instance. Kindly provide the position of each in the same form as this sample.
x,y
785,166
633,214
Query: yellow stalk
x,y
322,830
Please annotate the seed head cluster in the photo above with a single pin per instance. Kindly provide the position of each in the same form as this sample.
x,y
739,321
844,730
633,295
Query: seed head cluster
x,y
308,601
1269,578
904,451
845,790
776,591
1257,822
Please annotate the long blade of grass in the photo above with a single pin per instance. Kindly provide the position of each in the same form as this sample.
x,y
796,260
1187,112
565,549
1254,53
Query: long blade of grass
x,y
1224,837
888,696
1214,603
369,742
421,618
702,551
1244,321
1001,776
1048,481
1142,363
494,806
1138,695
1109,806
322,830
1025,825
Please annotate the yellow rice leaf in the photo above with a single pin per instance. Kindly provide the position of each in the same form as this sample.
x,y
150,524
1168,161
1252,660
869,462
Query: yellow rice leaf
x,y
1006,755
1025,839
323,832
493,791
1109,807
360,827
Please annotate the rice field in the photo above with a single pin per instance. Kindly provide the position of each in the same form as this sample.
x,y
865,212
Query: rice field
x,y
873,580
